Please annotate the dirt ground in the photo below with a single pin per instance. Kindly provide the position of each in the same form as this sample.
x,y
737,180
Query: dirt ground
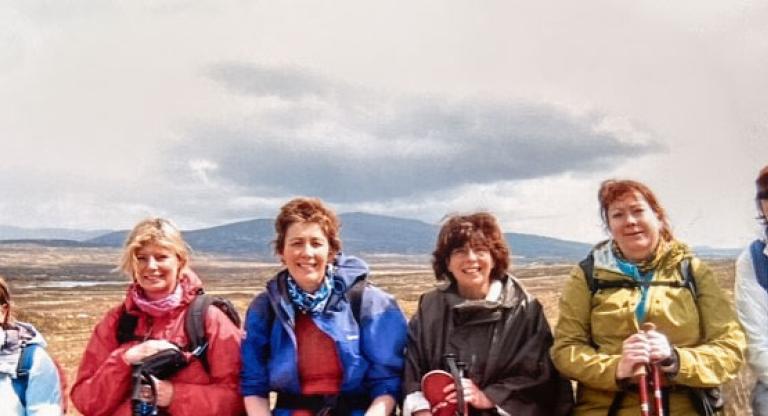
x,y
65,291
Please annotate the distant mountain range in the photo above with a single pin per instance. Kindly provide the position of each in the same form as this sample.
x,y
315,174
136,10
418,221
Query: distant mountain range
x,y
361,234
8,232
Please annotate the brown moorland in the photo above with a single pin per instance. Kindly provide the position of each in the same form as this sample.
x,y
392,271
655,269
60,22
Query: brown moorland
x,y
65,291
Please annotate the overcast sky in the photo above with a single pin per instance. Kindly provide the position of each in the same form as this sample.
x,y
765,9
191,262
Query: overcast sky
x,y
209,112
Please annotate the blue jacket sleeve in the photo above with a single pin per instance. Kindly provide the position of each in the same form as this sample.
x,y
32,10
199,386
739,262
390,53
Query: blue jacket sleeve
x,y
382,339
44,390
254,376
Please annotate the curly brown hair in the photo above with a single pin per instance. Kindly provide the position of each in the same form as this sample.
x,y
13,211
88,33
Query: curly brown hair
x,y
612,190
479,230
307,210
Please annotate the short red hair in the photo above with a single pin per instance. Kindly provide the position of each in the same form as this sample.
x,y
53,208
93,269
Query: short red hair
x,y
307,210
612,190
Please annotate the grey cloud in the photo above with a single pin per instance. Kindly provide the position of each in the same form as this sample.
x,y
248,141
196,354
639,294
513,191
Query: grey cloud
x,y
248,79
392,147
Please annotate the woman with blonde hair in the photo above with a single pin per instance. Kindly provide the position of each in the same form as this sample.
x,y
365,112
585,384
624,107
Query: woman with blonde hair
x,y
34,390
156,259
642,300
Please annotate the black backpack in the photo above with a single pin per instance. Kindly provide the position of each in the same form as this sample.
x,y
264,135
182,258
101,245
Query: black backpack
x,y
684,267
194,323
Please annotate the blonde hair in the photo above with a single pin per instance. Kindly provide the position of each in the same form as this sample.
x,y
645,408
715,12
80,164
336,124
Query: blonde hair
x,y
154,230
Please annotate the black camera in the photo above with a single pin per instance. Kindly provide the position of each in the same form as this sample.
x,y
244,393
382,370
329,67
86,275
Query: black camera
x,y
161,365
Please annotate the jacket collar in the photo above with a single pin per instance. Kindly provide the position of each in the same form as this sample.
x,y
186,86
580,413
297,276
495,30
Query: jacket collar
x,y
605,259
508,294
345,271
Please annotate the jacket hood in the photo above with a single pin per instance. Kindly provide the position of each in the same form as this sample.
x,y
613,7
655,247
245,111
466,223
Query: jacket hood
x,y
605,259
35,336
25,332
348,269
190,287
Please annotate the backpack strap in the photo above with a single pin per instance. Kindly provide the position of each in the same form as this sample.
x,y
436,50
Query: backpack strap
x,y
588,268
194,322
23,368
126,326
686,270
760,262
355,296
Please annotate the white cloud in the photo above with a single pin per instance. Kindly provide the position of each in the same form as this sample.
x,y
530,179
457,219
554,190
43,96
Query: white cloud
x,y
96,93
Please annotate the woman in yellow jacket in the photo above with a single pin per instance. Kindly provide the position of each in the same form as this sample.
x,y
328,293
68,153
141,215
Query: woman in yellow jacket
x,y
639,276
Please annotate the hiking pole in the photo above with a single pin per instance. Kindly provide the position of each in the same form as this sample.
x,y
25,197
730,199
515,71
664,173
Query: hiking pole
x,y
642,386
658,403
456,373
657,399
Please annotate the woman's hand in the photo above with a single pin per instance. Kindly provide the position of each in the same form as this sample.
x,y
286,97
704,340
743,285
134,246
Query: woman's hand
x,y
164,390
635,350
381,406
472,395
256,406
140,351
660,348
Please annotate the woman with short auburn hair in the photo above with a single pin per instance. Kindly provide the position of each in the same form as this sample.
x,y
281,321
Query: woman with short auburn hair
x,y
320,336
482,315
643,277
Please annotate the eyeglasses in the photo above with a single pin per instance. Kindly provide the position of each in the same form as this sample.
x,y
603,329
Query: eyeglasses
x,y
465,251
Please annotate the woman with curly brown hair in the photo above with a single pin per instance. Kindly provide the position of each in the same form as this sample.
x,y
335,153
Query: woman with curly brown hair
x,y
484,317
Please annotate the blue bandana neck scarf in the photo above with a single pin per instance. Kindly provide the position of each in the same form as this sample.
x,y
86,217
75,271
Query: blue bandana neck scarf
x,y
644,279
312,303
642,272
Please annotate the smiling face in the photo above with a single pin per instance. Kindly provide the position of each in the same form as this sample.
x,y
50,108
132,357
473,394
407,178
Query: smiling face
x,y
634,226
306,253
471,267
157,270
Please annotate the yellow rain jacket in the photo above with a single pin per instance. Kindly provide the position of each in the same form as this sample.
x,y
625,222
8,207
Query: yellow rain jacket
x,y
707,338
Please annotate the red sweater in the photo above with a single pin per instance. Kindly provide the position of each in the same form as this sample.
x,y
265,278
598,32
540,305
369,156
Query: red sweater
x,y
320,371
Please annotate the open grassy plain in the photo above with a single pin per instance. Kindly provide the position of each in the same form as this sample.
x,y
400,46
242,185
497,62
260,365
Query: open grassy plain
x,y
65,291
